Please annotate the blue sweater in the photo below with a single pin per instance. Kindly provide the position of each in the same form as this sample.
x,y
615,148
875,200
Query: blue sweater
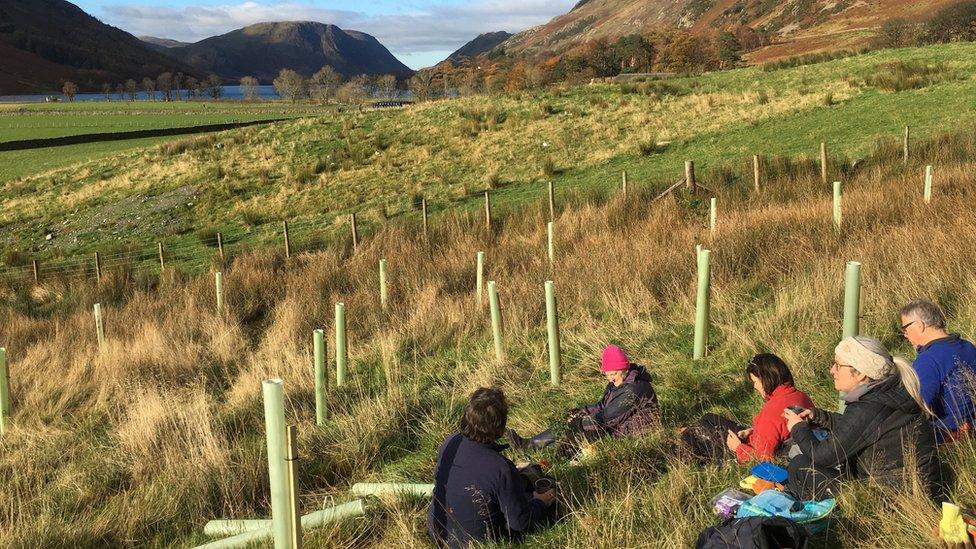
x,y
945,367
478,495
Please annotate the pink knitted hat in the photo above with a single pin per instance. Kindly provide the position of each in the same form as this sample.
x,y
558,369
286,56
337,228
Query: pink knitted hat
x,y
614,359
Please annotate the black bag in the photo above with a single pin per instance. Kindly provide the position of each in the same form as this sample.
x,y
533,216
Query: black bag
x,y
755,533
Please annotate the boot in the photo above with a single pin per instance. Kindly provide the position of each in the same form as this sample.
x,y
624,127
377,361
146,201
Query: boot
x,y
543,439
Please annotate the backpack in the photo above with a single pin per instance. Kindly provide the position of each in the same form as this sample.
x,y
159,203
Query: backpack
x,y
754,533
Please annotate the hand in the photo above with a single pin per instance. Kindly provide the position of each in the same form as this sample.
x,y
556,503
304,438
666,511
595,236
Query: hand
x,y
744,434
792,418
733,441
547,497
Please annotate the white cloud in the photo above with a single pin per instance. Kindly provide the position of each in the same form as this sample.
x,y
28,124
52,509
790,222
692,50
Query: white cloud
x,y
439,27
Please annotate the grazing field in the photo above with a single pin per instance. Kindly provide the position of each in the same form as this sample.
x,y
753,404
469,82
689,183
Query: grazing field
x,y
28,121
381,163
142,443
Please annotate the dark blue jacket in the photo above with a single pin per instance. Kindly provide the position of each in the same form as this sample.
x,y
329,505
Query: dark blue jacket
x,y
946,368
478,495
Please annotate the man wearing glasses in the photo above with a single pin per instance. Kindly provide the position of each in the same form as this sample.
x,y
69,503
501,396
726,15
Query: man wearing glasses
x,y
946,367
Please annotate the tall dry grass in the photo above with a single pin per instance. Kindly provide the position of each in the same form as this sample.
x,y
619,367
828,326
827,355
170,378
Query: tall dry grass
x,y
142,443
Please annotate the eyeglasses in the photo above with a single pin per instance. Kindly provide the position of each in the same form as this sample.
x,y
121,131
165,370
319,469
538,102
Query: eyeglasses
x,y
905,327
837,366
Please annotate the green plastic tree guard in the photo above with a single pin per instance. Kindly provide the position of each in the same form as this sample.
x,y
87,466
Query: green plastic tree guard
x,y
340,344
383,294
321,381
99,326
927,194
274,423
248,532
837,211
479,288
4,391
363,489
701,304
496,320
555,362
219,289
852,299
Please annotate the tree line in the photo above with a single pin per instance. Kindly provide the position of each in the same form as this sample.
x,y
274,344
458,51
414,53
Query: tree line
x,y
168,86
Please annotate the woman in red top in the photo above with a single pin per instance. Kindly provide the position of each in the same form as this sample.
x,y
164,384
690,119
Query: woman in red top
x,y
716,438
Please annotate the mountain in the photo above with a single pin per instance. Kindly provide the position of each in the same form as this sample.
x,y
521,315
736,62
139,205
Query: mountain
x,y
482,44
263,49
793,26
161,44
45,42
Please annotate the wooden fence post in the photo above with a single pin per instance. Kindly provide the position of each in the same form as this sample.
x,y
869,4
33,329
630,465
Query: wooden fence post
x,y
37,272
487,211
479,285
220,247
354,227
423,210
4,391
99,326
755,172
98,268
927,190
823,162
162,258
287,239
905,145
624,184
690,182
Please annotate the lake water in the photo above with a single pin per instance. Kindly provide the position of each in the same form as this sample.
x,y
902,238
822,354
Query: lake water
x,y
230,92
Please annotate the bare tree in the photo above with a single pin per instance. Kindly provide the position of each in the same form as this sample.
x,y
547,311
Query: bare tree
x,y
178,85
69,89
192,87
470,83
131,89
324,83
351,92
422,83
215,87
290,85
386,86
107,91
149,86
120,91
164,83
249,85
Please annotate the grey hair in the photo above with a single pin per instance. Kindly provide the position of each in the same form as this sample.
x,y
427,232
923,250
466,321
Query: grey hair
x,y
925,311
897,364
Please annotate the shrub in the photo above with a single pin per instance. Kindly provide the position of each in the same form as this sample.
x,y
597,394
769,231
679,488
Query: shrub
x,y
901,75
548,167
762,98
647,147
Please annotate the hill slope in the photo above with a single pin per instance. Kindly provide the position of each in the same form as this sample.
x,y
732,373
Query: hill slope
x,y
482,44
263,49
161,44
795,27
44,42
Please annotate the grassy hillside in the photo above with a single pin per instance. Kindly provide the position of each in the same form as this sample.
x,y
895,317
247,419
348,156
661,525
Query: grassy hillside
x,y
316,170
142,443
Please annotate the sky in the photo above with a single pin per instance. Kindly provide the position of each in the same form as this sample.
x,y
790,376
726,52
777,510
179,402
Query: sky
x,y
419,32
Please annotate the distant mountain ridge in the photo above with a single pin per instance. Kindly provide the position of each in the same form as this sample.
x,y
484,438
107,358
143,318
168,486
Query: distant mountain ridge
x,y
793,26
162,44
45,42
482,44
263,49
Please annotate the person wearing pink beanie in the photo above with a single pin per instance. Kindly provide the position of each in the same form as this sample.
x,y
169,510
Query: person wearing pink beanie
x,y
628,408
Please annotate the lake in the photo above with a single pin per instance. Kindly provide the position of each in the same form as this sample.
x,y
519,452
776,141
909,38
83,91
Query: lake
x,y
230,92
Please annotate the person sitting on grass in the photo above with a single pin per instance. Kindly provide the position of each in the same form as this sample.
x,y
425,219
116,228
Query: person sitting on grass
x,y
946,368
628,408
883,433
479,495
717,439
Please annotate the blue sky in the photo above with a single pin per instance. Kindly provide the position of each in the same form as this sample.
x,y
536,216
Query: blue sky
x,y
419,32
